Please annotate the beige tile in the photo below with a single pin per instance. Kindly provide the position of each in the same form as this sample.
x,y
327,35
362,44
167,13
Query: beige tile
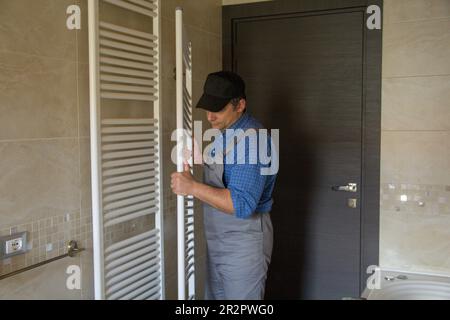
x,y
168,49
83,34
40,179
83,100
170,243
200,272
199,14
41,87
415,157
87,273
200,52
416,243
416,103
409,10
85,174
393,229
416,48
47,282
38,28
169,105
168,9
171,287
426,241
215,18
215,54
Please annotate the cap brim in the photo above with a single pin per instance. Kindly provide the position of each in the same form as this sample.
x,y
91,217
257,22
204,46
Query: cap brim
x,y
211,103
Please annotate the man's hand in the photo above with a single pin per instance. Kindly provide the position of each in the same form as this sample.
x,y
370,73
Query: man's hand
x,y
183,183
187,154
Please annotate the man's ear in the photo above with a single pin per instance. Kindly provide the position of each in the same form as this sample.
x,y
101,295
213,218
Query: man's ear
x,y
242,105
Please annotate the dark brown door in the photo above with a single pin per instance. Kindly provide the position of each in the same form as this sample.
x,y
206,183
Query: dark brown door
x,y
304,73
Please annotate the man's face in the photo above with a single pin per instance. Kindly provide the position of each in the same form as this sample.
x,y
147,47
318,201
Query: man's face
x,y
225,117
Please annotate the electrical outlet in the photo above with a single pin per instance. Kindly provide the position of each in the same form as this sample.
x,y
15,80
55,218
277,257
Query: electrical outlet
x,y
13,245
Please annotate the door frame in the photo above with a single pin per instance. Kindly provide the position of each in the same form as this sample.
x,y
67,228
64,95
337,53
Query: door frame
x,y
371,102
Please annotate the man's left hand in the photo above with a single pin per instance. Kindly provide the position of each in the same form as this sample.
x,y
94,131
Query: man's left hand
x,y
182,182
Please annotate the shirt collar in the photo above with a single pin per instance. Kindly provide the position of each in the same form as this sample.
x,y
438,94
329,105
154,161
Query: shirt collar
x,y
240,122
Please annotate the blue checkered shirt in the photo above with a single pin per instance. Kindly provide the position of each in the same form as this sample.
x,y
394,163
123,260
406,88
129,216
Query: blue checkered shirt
x,y
251,192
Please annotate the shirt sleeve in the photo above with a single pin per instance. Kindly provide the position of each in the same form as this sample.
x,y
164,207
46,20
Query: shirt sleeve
x,y
246,183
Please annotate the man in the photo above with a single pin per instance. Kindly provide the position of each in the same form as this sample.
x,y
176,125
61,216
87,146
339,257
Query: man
x,y
236,196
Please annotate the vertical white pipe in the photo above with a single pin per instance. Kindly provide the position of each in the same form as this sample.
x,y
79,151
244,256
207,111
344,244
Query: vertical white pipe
x,y
95,123
159,217
180,199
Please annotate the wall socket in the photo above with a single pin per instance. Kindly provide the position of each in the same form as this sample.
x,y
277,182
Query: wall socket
x,y
13,245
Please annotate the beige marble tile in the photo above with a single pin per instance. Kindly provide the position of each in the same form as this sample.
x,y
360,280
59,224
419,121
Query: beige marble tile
x,y
85,174
416,48
415,243
215,54
409,10
202,14
83,34
47,282
200,52
38,28
416,103
169,106
393,229
168,49
415,157
215,18
40,179
87,273
200,273
170,243
42,87
168,9
83,100
171,287
427,243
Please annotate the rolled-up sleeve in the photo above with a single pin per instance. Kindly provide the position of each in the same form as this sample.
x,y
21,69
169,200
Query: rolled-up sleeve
x,y
246,184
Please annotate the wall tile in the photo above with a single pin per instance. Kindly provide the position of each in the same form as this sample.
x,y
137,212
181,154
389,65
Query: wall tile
x,y
42,87
411,10
416,103
35,284
414,243
40,179
37,28
416,48
415,157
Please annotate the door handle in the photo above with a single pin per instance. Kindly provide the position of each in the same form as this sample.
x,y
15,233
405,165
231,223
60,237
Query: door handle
x,y
351,187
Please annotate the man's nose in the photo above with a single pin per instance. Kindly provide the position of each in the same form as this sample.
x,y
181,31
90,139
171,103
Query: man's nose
x,y
210,116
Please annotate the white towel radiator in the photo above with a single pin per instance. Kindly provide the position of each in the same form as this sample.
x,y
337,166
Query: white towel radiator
x,y
185,205
126,152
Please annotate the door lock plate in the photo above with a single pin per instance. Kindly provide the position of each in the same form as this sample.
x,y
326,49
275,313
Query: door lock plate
x,y
352,203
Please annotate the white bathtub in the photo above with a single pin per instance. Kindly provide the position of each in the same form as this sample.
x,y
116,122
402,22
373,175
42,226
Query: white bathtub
x,y
396,285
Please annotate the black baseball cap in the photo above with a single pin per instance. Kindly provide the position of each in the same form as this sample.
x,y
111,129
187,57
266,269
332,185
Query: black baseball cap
x,y
220,88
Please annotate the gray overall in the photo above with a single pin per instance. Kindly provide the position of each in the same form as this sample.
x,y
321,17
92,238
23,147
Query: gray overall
x,y
238,250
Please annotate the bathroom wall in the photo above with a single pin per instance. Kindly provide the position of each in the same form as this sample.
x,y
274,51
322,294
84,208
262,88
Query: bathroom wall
x,y
44,146
203,19
415,146
44,138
